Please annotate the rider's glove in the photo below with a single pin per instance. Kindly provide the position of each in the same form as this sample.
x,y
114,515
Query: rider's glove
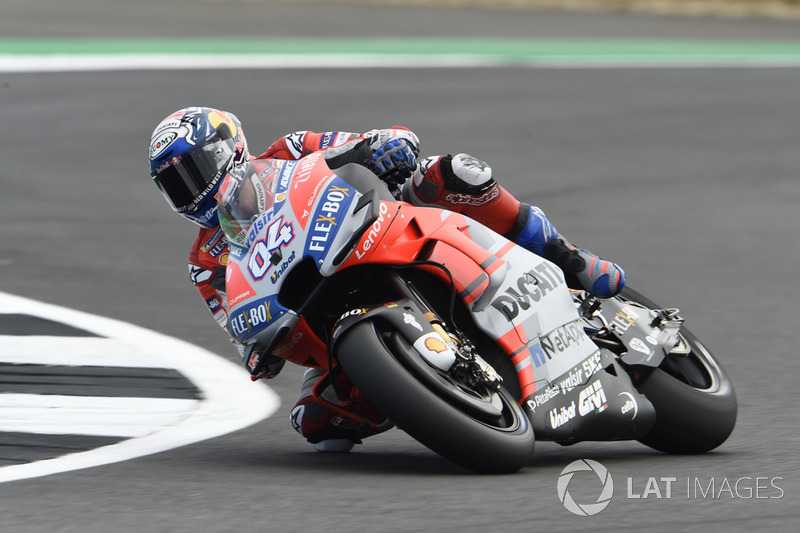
x,y
261,365
394,155
395,158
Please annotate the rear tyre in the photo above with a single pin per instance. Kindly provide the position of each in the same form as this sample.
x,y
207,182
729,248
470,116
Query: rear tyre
x,y
695,402
485,432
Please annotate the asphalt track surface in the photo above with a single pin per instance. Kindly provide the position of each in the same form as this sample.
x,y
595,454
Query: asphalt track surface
x,y
687,177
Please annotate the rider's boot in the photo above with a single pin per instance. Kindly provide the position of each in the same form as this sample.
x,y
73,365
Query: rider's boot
x,y
464,184
330,424
582,269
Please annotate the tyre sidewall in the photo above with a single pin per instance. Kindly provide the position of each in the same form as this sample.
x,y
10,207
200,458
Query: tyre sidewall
x,y
425,415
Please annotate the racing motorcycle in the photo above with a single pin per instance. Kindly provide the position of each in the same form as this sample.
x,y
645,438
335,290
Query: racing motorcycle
x,y
469,343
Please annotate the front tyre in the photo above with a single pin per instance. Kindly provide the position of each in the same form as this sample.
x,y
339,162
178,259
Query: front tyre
x,y
695,402
493,438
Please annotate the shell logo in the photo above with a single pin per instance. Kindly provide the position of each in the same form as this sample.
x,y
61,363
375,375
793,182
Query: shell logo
x,y
435,345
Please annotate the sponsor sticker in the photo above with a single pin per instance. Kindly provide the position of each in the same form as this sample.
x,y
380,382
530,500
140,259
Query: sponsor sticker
x,y
563,338
543,397
559,417
324,225
294,141
435,351
529,289
408,318
254,317
592,399
327,140
375,232
630,405
214,303
162,142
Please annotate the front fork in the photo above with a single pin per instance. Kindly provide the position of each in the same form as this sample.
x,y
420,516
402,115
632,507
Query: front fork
x,y
469,365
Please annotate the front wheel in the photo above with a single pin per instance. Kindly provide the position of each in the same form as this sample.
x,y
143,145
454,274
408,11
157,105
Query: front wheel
x,y
695,402
484,432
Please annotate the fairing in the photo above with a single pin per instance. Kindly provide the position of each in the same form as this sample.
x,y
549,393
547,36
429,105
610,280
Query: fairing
x,y
568,384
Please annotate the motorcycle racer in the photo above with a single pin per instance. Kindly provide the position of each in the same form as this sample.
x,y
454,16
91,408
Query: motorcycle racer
x,y
193,149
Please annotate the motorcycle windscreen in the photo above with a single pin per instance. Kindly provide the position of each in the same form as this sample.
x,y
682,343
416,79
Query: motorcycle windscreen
x,y
244,194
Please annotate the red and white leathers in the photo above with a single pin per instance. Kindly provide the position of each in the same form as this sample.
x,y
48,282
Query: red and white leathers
x,y
464,184
207,260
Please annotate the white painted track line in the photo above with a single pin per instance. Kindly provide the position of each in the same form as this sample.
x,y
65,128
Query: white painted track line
x,y
87,415
229,402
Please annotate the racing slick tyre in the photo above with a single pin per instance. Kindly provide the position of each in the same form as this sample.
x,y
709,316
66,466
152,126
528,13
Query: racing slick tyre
x,y
486,432
695,402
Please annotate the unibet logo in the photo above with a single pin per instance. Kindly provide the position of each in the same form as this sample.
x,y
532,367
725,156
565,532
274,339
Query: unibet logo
x,y
588,509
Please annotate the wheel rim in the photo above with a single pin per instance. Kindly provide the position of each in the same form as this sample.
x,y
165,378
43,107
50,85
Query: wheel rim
x,y
489,407
697,369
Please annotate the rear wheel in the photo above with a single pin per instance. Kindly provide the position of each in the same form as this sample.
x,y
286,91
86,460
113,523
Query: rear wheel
x,y
695,402
483,430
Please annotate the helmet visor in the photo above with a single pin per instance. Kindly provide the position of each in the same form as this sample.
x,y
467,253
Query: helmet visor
x,y
187,180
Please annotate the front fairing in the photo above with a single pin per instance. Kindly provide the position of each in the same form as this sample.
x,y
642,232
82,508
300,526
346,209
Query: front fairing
x,y
262,244
309,218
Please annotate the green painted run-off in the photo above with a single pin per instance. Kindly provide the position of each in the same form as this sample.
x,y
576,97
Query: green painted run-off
x,y
500,49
